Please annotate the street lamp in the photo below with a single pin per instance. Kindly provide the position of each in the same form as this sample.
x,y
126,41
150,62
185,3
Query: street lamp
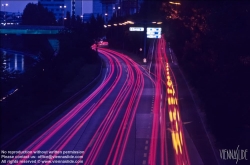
x,y
82,17
116,8
5,11
62,7
106,14
175,3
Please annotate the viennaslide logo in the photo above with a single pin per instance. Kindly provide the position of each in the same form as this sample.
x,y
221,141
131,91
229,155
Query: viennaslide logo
x,y
234,154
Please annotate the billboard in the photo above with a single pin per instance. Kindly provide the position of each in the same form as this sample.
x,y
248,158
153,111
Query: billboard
x,y
140,29
153,32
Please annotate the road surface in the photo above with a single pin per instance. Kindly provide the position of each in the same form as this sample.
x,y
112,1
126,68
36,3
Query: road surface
x,y
132,118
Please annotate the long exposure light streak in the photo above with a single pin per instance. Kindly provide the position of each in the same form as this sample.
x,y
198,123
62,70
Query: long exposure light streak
x,y
163,108
117,99
62,133
178,140
45,137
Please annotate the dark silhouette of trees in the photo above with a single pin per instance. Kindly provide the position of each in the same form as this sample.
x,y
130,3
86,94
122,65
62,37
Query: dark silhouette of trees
x,y
36,14
210,41
67,22
96,26
108,1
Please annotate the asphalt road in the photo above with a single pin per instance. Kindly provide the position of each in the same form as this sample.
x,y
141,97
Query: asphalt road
x,y
134,116
110,126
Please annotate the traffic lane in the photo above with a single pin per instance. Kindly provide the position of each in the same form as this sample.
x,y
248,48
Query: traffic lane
x,y
199,145
114,96
49,133
146,97
104,73
117,153
137,150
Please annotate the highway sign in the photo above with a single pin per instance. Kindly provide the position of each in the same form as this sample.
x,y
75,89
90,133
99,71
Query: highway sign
x,y
153,32
136,29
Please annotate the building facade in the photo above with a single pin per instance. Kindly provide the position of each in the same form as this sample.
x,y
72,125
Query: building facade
x,y
58,7
84,8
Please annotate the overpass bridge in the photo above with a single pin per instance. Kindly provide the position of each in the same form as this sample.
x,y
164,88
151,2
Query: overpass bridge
x,y
13,35
30,29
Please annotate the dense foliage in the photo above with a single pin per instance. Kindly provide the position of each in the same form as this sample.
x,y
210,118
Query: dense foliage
x,y
210,40
36,14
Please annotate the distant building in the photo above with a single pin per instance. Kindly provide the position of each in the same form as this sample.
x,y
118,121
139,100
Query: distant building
x,y
10,18
85,7
59,7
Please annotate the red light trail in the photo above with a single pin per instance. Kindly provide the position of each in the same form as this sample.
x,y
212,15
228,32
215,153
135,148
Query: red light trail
x,y
112,107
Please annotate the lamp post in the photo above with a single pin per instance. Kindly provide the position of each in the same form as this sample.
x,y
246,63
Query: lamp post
x,y
62,7
106,14
5,11
82,18
116,9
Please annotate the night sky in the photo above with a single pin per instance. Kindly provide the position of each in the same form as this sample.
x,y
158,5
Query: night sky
x,y
16,5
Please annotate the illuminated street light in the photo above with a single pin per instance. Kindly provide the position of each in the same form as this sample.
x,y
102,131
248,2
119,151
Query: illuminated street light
x,y
63,7
175,3
6,4
82,17
116,8
129,22
106,14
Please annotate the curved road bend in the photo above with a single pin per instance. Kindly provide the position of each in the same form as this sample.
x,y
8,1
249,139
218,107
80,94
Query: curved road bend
x,y
112,125
131,118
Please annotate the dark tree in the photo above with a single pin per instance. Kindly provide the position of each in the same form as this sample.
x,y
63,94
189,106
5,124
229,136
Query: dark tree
x,y
36,14
95,26
108,1
67,22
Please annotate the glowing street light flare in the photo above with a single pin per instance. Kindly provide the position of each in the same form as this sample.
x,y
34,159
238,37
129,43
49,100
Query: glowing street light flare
x,y
175,3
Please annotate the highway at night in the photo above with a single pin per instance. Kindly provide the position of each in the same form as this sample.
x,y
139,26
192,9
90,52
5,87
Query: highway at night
x,y
131,117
